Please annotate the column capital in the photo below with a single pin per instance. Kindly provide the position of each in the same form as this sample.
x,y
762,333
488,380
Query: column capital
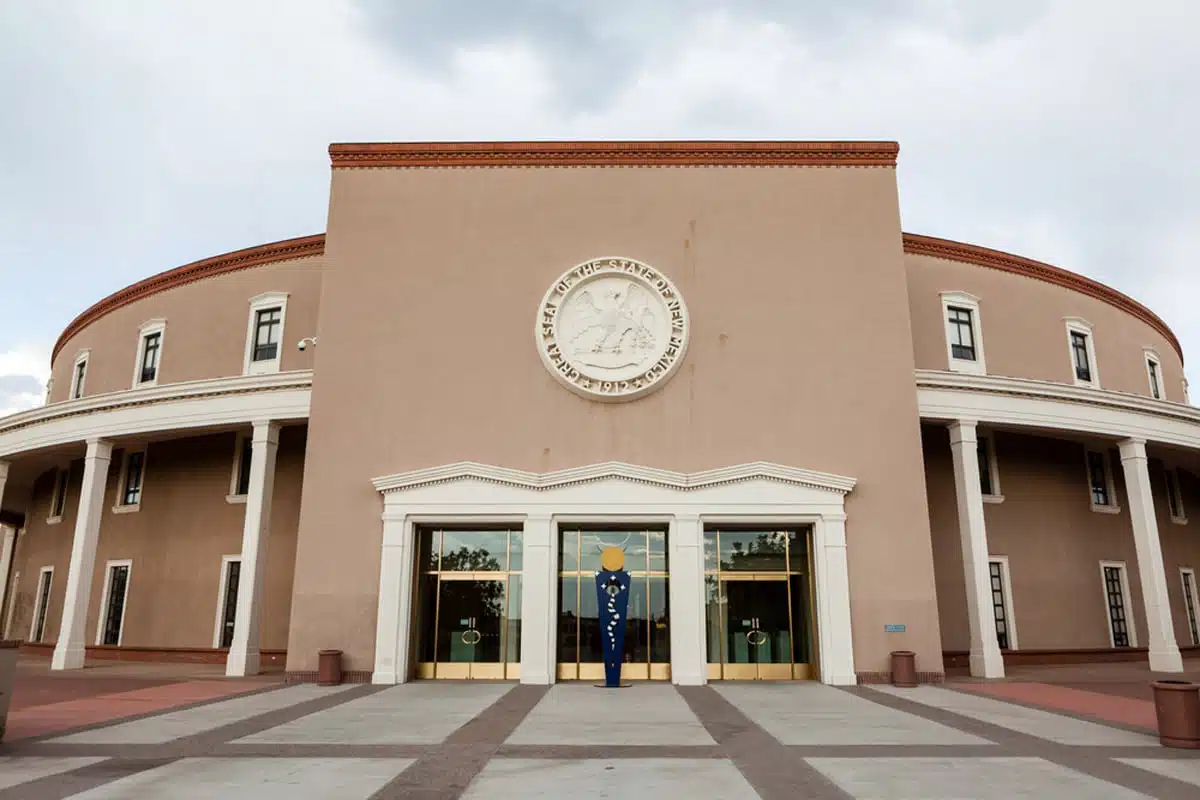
x,y
962,430
265,431
3,469
1132,448
99,448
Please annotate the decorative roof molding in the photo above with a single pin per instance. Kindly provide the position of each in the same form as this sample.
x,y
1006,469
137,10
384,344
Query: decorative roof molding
x,y
615,154
1061,392
286,250
153,395
934,247
609,470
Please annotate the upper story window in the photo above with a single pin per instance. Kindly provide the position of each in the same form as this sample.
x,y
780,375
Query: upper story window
x,y
58,500
239,484
1082,352
133,473
79,376
149,356
964,335
1154,374
989,473
264,336
1175,497
1100,482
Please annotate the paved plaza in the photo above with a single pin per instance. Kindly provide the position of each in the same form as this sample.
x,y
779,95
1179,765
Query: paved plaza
x,y
500,740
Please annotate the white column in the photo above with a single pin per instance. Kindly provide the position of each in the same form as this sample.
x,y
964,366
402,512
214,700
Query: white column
x,y
243,656
69,652
8,543
6,546
986,661
539,584
833,602
1164,653
689,659
393,661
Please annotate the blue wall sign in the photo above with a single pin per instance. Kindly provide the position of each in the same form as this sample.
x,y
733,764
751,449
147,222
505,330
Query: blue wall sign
x,y
893,628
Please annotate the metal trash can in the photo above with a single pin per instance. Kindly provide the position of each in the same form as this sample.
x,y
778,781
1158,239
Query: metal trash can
x,y
1177,707
904,668
329,667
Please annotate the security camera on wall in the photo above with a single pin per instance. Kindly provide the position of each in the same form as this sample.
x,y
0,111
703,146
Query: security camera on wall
x,y
302,345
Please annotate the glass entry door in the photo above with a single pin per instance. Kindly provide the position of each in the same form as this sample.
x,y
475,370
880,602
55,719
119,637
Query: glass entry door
x,y
469,604
758,632
758,604
647,637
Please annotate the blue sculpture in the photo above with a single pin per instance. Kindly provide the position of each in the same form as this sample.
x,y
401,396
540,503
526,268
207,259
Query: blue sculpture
x,y
612,599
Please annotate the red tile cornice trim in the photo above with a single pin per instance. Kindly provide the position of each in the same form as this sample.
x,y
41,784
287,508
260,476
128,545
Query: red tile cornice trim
x,y
1007,262
615,154
217,265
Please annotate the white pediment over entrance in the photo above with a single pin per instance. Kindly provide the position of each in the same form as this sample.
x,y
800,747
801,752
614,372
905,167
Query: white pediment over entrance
x,y
757,485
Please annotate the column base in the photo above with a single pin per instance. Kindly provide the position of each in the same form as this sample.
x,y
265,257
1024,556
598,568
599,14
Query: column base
x,y
535,679
67,657
240,665
987,665
1166,660
384,678
847,679
688,680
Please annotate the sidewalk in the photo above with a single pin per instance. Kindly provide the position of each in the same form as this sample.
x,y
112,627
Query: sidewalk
x,y
44,702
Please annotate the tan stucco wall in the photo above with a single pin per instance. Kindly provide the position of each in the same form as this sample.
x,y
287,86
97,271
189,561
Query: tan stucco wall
x,y
1054,542
1024,332
800,353
176,541
206,329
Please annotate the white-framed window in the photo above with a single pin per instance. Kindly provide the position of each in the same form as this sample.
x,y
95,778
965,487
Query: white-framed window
x,y
1175,496
964,333
110,627
1081,348
239,479
989,468
1154,374
130,481
149,352
79,375
1002,611
41,602
1101,488
264,333
1118,608
1191,602
12,604
58,497
231,571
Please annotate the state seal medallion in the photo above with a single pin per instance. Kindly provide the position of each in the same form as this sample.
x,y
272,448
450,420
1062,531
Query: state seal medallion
x,y
612,329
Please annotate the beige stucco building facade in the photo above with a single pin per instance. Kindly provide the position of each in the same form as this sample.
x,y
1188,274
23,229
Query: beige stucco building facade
x,y
818,439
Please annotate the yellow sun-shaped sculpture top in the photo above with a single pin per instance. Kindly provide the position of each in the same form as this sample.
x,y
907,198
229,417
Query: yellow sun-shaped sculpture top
x,y
612,559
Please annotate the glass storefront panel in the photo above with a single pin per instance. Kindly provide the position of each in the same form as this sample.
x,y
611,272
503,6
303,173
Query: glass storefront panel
x,y
758,609
647,636
468,603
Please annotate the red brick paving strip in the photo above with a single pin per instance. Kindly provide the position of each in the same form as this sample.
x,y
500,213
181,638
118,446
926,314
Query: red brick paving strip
x,y
1101,706
69,714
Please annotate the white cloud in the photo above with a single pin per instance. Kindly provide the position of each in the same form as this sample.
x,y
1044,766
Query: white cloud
x,y
24,371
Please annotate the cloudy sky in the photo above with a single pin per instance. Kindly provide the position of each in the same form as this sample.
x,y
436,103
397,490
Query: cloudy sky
x,y
136,135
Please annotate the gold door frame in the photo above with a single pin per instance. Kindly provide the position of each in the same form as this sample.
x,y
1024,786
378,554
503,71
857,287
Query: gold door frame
x,y
791,670
594,670
459,670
